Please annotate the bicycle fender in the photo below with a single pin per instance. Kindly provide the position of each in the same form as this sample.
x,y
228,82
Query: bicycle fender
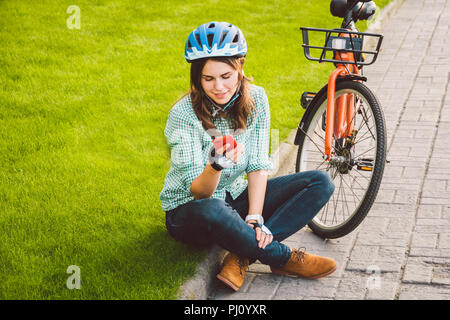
x,y
307,112
351,77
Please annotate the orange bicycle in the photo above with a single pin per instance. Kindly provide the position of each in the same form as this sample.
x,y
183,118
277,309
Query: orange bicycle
x,y
343,129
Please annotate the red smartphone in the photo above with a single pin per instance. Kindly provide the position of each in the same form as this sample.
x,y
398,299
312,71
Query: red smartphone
x,y
221,141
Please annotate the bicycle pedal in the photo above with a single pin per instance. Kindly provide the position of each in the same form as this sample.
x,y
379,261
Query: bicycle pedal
x,y
364,167
365,164
306,98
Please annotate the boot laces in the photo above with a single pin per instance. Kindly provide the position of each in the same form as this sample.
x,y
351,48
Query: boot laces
x,y
299,254
242,265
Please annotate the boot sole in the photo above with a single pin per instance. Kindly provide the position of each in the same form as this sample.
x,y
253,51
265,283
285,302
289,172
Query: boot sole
x,y
227,282
283,273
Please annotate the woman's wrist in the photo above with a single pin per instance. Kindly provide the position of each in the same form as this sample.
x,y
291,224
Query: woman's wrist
x,y
211,168
255,218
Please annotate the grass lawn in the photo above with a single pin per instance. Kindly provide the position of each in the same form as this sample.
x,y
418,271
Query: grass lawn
x,y
83,156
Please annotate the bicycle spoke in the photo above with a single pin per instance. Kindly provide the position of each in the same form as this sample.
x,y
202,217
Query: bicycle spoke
x,y
359,155
310,139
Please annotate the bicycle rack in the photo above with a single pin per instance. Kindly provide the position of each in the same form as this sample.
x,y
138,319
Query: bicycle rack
x,y
339,41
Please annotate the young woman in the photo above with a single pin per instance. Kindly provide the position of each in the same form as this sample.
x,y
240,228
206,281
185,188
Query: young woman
x,y
218,133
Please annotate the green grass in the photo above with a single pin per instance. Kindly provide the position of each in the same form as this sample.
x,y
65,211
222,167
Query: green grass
x,y
82,151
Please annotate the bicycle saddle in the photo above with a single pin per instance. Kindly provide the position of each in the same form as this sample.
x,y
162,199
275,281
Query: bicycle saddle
x,y
361,10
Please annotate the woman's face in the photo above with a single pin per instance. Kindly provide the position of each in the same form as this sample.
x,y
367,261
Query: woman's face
x,y
219,81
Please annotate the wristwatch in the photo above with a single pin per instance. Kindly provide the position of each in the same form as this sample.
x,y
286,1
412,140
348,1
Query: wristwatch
x,y
259,218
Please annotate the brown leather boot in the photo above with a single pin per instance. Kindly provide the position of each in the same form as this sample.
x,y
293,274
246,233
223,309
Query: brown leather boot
x,y
306,265
233,271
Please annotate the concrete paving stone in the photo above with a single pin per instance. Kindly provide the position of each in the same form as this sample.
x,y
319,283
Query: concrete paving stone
x,y
433,222
425,211
405,197
323,287
436,194
437,162
243,296
399,239
396,160
317,298
258,268
385,197
381,285
388,186
438,173
413,172
388,259
364,253
423,292
353,286
386,291
391,210
416,271
400,224
444,240
288,295
309,240
391,266
429,116
424,240
265,283
431,228
418,152
431,185
430,252
441,279
374,223
429,200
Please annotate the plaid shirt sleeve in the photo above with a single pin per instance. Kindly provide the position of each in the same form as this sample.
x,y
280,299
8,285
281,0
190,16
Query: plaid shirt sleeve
x,y
260,135
185,143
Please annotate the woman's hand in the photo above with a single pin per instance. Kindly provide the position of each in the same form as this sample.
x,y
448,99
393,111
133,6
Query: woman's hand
x,y
263,238
234,153
226,151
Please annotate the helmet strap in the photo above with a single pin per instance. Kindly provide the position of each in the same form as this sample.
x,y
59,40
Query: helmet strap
x,y
218,108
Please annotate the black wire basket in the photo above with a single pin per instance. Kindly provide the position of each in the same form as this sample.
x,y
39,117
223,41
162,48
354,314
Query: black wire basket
x,y
338,41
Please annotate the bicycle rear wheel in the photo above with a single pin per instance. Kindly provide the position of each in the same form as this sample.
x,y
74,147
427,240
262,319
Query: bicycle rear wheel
x,y
358,165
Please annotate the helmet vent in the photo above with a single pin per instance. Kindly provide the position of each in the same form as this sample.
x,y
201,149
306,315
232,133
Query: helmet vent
x,y
197,38
224,34
210,40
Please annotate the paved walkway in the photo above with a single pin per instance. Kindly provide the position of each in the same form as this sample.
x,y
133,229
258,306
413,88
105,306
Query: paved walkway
x,y
402,249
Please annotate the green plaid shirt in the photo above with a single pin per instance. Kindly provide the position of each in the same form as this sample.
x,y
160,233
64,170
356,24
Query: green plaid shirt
x,y
190,145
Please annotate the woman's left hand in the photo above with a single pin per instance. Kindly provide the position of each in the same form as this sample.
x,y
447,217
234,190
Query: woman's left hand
x,y
263,238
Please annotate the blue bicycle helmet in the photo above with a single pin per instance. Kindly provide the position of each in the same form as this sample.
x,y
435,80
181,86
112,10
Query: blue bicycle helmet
x,y
215,39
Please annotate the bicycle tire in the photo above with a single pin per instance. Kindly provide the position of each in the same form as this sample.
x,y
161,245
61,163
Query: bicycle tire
x,y
311,118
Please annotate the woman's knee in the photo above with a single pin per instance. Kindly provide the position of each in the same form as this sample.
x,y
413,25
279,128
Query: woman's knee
x,y
209,210
323,179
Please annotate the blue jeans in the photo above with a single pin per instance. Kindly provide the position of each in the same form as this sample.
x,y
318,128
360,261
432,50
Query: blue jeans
x,y
290,203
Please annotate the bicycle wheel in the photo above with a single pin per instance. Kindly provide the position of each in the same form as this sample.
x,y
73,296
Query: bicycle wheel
x,y
358,165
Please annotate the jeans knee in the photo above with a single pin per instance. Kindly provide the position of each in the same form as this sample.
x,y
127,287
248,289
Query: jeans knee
x,y
209,210
324,180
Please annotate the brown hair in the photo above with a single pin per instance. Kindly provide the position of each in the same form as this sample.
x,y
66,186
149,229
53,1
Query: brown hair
x,y
241,108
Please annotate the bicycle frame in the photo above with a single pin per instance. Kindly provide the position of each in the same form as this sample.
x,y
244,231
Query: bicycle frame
x,y
339,125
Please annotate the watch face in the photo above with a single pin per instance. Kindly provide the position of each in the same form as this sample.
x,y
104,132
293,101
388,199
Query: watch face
x,y
224,162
